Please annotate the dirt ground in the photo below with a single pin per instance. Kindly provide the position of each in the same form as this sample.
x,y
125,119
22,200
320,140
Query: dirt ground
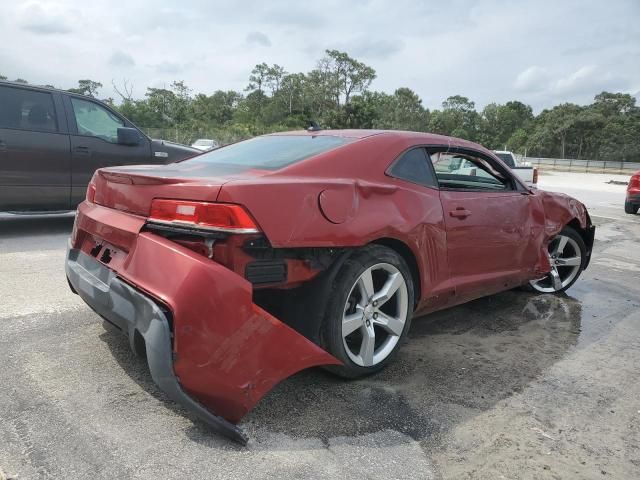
x,y
513,386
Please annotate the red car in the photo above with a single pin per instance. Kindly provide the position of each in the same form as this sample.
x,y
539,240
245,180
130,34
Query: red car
x,y
632,202
237,268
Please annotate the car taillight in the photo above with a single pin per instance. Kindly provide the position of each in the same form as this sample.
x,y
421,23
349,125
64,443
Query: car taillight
x,y
224,217
535,176
635,182
91,192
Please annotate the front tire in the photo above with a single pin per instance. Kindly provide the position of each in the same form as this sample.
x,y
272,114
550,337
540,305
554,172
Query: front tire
x,y
568,258
631,208
369,310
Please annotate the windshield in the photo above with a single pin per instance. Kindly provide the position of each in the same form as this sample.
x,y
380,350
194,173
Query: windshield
x,y
272,152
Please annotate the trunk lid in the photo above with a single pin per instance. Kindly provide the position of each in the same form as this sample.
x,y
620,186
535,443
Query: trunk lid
x,y
132,188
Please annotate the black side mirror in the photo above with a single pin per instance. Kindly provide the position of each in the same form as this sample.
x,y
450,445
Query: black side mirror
x,y
128,136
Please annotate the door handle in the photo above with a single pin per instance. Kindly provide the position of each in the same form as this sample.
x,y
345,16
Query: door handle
x,y
460,212
82,150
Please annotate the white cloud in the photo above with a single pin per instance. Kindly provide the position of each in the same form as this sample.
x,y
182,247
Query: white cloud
x,y
532,79
489,50
121,59
44,18
259,39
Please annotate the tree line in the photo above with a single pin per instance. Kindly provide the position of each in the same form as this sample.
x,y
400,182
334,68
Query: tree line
x,y
337,94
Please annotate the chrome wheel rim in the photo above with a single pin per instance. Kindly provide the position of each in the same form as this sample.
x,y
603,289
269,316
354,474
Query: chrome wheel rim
x,y
375,314
565,258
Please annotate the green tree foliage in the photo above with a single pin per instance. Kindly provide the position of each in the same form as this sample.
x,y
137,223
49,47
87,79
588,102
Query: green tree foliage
x,y
87,87
337,94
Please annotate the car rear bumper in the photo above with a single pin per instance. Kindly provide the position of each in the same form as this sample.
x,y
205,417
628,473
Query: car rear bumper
x,y
633,197
136,314
209,347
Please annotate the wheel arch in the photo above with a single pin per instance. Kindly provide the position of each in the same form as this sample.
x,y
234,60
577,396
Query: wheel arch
x,y
409,257
585,233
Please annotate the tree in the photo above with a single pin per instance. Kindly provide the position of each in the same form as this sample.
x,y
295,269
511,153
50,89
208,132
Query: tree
x,y
349,75
457,118
614,103
500,122
20,80
2,77
402,111
86,87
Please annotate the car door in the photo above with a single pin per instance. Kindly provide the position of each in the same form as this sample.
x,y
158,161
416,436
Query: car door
x,y
420,194
488,223
34,150
94,142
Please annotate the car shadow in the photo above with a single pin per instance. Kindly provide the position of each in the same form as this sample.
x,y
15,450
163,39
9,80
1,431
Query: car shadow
x,y
455,364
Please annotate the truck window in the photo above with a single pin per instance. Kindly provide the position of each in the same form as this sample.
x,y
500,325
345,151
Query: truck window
x,y
507,158
95,121
25,109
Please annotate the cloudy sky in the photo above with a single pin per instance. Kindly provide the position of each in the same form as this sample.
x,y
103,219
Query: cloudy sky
x,y
540,52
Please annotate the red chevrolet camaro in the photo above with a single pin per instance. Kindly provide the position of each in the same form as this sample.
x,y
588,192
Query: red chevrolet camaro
x,y
236,268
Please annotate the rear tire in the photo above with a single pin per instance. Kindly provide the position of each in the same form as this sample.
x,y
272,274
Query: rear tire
x,y
369,309
631,208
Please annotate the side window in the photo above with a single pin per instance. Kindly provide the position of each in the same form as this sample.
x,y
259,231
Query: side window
x,y
27,110
96,121
413,167
459,171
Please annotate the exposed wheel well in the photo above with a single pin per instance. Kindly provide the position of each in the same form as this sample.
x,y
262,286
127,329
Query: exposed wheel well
x,y
405,252
588,240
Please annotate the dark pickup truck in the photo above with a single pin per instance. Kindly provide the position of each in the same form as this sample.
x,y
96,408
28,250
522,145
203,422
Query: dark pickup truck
x,y
52,141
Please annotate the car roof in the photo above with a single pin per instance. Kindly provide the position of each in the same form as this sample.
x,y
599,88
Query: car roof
x,y
415,137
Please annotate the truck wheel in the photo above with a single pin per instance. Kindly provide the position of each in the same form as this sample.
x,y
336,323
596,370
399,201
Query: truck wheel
x,y
369,310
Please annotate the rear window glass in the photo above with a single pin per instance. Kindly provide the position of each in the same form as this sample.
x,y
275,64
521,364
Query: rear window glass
x,y
506,158
27,110
413,167
272,152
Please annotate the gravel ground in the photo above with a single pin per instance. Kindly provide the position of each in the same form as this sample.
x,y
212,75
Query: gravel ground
x,y
511,386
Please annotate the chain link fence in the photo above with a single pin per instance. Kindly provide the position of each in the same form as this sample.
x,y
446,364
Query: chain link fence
x,y
592,166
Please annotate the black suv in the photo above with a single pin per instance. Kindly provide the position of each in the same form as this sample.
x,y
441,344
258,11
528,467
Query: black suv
x,y
52,141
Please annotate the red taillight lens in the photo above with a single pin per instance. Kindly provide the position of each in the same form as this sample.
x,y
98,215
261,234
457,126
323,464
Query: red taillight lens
x,y
212,216
635,181
91,193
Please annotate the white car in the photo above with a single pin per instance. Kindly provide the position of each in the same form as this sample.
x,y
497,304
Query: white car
x,y
205,144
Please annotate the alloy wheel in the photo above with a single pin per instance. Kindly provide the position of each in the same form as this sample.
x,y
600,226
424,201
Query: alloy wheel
x,y
565,257
375,314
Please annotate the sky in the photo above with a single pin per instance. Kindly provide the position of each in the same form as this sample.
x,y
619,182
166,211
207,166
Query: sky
x,y
540,52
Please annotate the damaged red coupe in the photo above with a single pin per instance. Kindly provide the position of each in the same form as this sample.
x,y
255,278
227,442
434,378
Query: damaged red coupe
x,y
237,268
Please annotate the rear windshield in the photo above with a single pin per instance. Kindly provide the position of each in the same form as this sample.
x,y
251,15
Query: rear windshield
x,y
272,152
506,158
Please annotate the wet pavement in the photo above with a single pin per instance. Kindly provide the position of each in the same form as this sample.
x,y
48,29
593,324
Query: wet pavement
x,y
516,385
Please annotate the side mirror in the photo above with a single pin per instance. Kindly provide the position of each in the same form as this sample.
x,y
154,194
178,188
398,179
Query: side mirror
x,y
128,136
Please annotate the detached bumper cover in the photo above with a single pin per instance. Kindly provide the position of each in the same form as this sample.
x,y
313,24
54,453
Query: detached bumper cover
x,y
132,311
209,347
